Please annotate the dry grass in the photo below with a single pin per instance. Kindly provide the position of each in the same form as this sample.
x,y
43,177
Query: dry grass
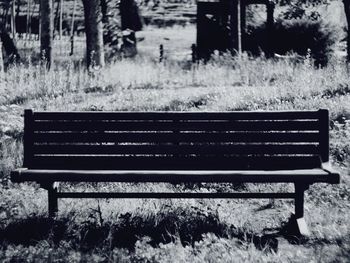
x,y
173,230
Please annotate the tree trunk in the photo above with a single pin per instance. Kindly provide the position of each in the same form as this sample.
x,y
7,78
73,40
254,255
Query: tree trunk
x,y
4,14
72,30
107,32
61,18
130,22
28,17
130,15
270,29
347,14
1,60
104,10
94,33
13,20
239,28
10,48
56,19
46,39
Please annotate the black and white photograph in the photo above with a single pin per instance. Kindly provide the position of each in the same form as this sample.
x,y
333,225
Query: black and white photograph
x,y
178,131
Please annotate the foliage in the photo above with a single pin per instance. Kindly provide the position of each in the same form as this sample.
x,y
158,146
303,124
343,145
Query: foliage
x,y
298,10
295,35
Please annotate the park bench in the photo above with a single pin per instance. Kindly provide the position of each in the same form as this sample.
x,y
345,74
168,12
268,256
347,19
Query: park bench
x,y
177,147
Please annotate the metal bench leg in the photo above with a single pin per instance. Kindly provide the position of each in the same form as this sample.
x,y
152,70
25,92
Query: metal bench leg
x,y
299,209
53,200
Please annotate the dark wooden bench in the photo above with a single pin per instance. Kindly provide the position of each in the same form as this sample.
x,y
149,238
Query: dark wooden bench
x,y
176,147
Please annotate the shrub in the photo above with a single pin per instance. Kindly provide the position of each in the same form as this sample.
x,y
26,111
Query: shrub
x,y
294,35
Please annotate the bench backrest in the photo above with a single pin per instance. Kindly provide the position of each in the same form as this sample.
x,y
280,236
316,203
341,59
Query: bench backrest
x,y
176,140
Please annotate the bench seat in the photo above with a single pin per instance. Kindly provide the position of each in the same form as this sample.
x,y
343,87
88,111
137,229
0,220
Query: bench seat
x,y
309,176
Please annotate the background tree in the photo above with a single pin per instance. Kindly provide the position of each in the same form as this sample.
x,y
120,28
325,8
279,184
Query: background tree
x,y
94,33
300,5
47,27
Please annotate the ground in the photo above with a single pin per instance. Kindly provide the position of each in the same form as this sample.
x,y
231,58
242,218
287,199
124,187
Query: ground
x,y
173,230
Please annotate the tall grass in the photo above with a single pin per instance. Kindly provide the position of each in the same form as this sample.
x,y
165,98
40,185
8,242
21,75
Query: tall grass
x,y
225,83
172,230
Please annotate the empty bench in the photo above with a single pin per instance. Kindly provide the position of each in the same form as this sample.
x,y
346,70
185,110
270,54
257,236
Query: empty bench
x,y
177,147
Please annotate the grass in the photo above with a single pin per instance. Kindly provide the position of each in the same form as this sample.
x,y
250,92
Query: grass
x,y
173,230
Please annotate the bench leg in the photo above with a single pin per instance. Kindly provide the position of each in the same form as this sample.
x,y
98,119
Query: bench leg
x,y
299,209
53,201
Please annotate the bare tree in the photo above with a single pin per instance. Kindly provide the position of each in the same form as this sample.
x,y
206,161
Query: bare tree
x,y
94,33
46,38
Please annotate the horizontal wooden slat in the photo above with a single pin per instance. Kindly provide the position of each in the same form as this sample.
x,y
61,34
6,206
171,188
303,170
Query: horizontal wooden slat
x,y
178,137
179,126
244,115
178,149
176,163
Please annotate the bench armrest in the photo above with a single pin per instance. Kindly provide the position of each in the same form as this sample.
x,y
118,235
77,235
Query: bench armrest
x,y
16,175
328,167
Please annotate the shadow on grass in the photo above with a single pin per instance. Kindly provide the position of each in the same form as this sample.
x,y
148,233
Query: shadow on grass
x,y
188,226
30,230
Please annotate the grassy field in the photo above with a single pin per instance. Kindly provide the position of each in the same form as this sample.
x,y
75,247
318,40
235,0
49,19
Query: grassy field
x,y
173,230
